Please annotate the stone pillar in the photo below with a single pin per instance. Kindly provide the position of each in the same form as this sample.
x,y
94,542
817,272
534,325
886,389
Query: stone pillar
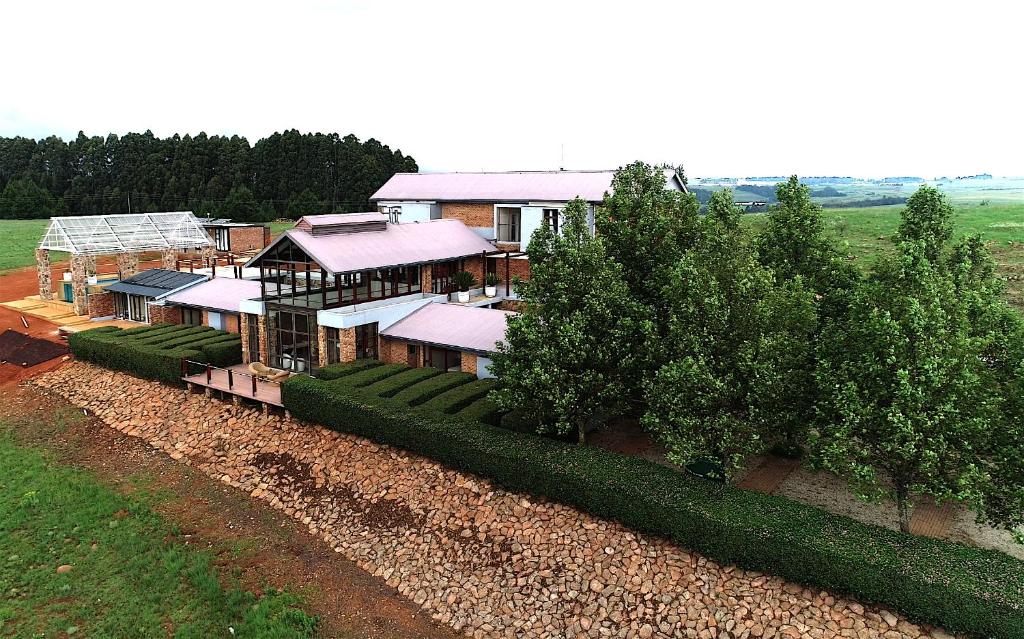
x,y
127,264
261,323
90,265
169,258
426,277
321,341
44,274
243,333
347,344
207,253
78,283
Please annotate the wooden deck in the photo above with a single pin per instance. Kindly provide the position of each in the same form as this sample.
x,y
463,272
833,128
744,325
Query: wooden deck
x,y
241,384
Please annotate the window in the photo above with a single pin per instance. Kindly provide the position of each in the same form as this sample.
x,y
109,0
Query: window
x,y
253,322
222,238
442,358
191,316
366,341
412,355
551,219
138,308
295,341
333,346
508,224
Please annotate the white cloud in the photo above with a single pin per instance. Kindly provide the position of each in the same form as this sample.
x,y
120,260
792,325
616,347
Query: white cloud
x,y
734,88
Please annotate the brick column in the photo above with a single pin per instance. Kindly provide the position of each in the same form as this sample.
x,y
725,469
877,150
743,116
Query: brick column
x,y
261,323
426,277
44,274
169,258
243,333
78,283
321,340
468,362
347,342
127,264
207,253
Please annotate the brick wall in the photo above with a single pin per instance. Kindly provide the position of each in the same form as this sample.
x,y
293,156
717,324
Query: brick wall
x,y
246,238
517,268
101,304
164,314
231,323
475,265
470,214
393,351
512,305
468,362
347,344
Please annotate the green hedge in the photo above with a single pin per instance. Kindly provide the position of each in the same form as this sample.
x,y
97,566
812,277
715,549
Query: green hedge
x,y
961,588
390,386
142,353
371,375
454,400
336,371
430,388
482,410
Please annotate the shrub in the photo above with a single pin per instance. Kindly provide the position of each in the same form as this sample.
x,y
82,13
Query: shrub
x,y
456,399
430,388
336,371
371,375
961,588
391,385
145,355
482,410
128,332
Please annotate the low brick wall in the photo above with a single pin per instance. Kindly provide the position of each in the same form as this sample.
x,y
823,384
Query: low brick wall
x,y
245,238
101,304
485,561
168,314
471,214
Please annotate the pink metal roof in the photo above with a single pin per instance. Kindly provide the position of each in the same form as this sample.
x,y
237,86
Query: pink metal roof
x,y
514,186
461,327
396,245
310,221
220,293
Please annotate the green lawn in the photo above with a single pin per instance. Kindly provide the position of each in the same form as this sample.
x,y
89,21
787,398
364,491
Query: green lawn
x,y
18,241
864,234
129,575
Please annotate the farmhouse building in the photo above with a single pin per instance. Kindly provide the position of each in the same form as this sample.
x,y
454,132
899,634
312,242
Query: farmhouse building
x,y
237,238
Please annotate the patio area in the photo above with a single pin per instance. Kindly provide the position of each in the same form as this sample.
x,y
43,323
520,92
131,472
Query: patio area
x,y
237,380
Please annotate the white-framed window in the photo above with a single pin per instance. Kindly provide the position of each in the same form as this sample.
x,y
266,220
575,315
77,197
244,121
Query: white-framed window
x,y
509,224
222,238
551,219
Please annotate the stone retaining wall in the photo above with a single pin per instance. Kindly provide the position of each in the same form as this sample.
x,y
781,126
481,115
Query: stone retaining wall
x,y
487,562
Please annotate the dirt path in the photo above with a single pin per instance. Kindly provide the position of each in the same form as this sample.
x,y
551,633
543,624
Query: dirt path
x,y
270,548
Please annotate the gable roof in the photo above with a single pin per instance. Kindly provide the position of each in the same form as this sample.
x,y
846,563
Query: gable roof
x,y
460,327
155,282
510,186
219,294
395,245
105,234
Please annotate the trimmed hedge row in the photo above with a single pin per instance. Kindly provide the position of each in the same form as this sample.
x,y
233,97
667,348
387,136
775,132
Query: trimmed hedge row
x,y
960,588
371,375
431,388
155,352
482,410
336,371
389,386
454,400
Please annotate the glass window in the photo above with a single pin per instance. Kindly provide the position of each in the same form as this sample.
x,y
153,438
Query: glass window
x,y
333,346
295,341
191,316
222,238
254,336
508,224
444,359
366,341
551,219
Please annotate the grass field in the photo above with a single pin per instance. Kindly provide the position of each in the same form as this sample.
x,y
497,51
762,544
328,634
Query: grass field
x,y
128,576
864,234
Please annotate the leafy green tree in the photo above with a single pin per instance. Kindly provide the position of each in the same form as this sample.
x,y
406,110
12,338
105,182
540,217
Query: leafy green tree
x,y
729,336
23,199
563,359
927,218
305,203
240,205
903,392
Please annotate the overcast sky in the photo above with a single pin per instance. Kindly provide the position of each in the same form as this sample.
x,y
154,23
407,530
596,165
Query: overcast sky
x,y
726,88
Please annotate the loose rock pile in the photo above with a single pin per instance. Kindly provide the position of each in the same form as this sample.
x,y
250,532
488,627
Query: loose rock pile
x,y
485,561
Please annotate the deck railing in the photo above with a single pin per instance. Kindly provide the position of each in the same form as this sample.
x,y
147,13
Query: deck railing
x,y
208,369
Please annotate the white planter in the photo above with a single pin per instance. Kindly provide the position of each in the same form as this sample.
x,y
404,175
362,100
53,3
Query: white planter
x,y
93,279
491,291
463,297
67,276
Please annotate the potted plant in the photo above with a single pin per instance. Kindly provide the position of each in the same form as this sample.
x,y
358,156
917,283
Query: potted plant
x,y
464,281
491,284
